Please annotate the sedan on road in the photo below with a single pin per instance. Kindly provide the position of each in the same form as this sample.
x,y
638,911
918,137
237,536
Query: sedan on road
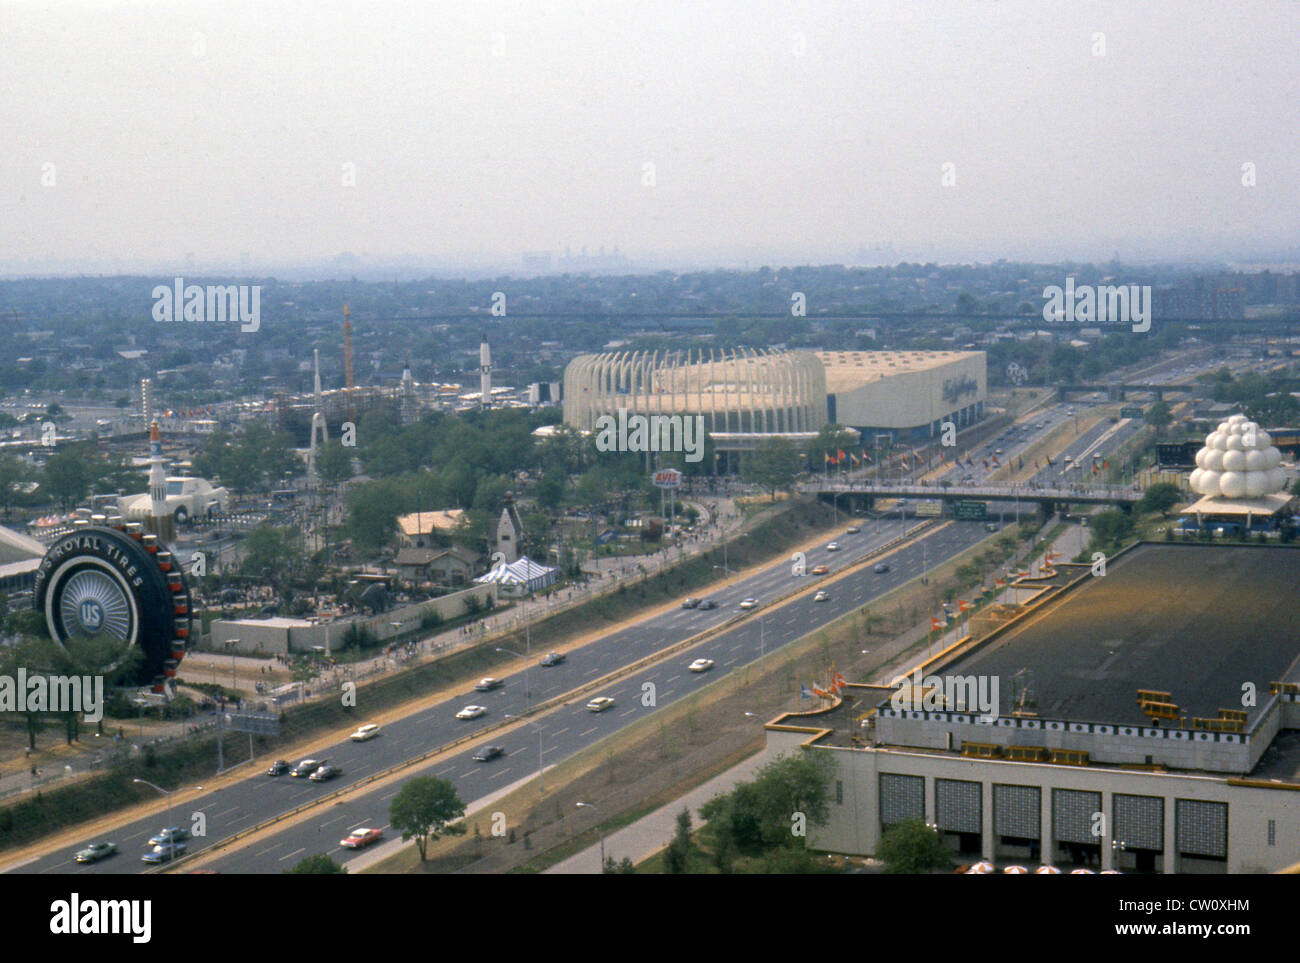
x,y
471,712
368,731
488,753
880,568
749,603
325,773
600,704
488,684
173,834
822,597
701,665
95,852
552,659
361,838
306,768
833,547
277,768
852,530
164,853
821,569
690,603
708,605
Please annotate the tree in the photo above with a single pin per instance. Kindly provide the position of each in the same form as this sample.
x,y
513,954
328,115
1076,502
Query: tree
x,y
1109,530
334,462
624,868
759,815
318,865
773,465
14,474
1160,497
912,847
1159,416
67,476
678,855
425,809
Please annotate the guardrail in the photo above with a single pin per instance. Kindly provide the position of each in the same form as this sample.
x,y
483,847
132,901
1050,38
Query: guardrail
x,y
556,701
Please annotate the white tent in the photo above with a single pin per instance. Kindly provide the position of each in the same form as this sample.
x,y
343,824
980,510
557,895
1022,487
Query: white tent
x,y
520,577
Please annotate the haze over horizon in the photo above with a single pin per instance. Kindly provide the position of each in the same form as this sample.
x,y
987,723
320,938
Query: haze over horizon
x,y
253,137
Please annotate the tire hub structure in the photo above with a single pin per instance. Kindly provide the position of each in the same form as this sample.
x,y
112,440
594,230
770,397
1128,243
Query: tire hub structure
x,y
121,588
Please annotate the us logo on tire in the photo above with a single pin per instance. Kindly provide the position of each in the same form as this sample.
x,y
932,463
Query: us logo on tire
x,y
116,591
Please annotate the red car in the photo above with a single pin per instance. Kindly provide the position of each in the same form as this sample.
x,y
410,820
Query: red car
x,y
361,838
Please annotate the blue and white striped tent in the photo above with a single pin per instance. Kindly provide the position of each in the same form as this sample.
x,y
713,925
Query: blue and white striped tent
x,y
521,577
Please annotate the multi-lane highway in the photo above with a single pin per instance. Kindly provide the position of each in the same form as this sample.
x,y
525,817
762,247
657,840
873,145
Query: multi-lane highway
x,y
564,731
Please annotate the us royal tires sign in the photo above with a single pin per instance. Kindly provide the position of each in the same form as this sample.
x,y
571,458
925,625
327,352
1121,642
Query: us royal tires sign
x,y
117,592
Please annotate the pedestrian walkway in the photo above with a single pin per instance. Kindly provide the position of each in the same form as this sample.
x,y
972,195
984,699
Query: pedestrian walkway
x,y
649,834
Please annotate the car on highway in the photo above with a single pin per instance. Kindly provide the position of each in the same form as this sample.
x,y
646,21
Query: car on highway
x,y
488,684
708,605
471,712
164,853
821,569
880,568
325,773
600,704
277,768
95,852
701,665
306,768
172,834
361,838
552,659
488,753
690,603
852,530
368,731
749,603
833,547
822,597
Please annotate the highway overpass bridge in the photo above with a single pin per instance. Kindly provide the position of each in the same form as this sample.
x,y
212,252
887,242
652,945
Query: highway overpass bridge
x,y
1119,392
1048,498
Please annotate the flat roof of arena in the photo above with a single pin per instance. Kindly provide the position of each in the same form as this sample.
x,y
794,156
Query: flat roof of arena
x,y
846,370
1196,621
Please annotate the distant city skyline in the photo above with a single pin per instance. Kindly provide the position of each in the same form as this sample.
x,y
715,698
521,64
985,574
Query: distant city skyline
x,y
313,140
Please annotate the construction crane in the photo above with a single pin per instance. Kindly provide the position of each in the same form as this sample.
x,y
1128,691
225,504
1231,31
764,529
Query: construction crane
x,y
347,362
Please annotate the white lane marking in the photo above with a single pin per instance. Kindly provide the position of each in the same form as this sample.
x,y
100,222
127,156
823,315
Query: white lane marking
x,y
466,775
293,854
265,851
628,713
560,732
587,733
499,774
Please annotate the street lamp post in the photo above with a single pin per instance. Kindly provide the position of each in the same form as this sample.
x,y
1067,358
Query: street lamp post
x,y
601,830
234,678
168,793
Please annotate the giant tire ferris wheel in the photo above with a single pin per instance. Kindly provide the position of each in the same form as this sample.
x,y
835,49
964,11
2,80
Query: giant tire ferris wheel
x,y
115,584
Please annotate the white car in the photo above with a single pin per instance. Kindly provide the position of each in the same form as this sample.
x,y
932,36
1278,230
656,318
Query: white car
x,y
368,731
821,597
833,547
701,665
187,497
471,712
599,704
749,603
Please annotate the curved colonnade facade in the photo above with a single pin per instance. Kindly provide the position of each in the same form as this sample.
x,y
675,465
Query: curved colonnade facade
x,y
744,391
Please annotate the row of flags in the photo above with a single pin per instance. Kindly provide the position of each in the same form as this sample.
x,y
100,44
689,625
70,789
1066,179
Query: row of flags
x,y
840,457
831,689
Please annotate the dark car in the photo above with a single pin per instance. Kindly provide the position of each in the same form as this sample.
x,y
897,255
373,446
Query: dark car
x,y
552,659
488,753
881,567
306,768
708,604
690,603
277,768
324,773
164,853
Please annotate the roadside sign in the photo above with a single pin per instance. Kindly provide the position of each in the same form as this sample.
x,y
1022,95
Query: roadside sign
x,y
929,508
1131,412
971,510
667,478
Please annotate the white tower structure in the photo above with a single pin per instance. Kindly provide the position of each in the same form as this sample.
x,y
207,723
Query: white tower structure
x,y
484,373
317,422
160,520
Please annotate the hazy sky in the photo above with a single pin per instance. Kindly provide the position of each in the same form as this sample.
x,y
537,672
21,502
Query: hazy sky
x,y
780,131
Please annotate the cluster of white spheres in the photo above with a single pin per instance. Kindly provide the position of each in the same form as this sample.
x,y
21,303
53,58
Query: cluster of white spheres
x,y
1238,461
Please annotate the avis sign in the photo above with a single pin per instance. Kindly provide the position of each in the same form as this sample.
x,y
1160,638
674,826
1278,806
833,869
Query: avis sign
x,y
667,478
